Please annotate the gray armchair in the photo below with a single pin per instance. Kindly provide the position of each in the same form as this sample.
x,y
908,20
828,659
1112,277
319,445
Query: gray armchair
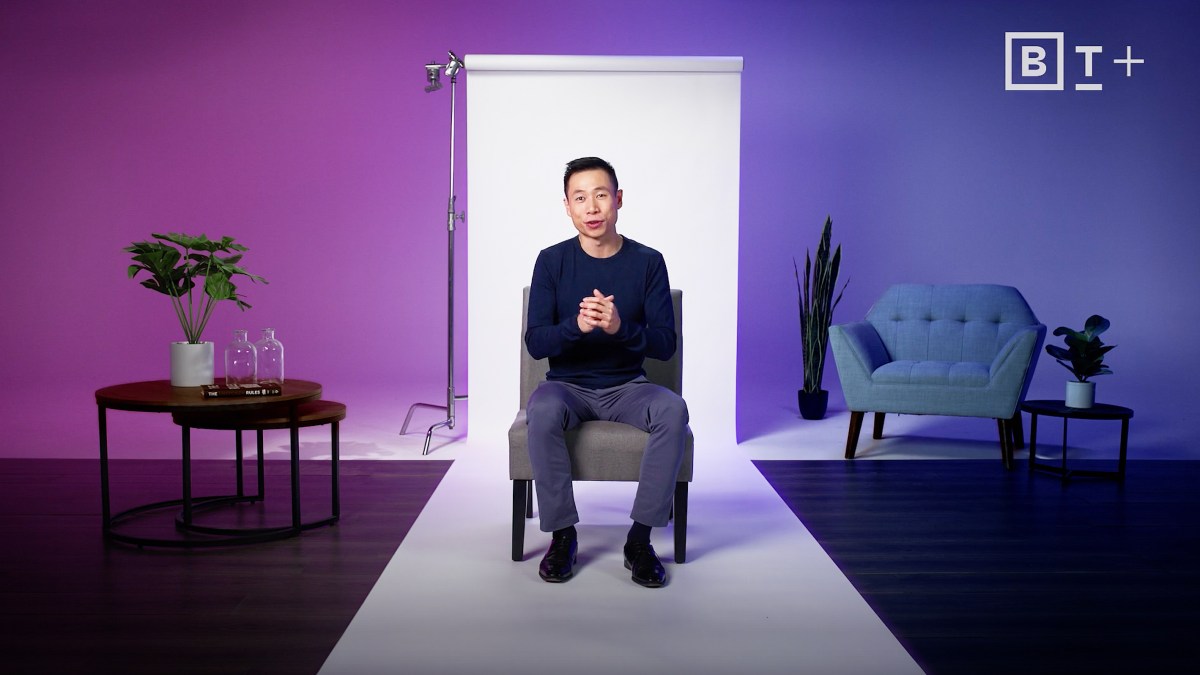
x,y
965,350
599,450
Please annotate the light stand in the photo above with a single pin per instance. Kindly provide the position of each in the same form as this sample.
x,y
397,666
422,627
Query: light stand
x,y
434,82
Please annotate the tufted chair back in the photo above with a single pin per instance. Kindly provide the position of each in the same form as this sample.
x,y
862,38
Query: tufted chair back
x,y
967,322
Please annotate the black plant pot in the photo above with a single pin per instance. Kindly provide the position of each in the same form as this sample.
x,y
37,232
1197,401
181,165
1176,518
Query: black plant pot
x,y
814,404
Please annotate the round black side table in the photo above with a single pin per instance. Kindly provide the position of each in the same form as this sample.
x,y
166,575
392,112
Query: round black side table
x,y
296,406
1099,411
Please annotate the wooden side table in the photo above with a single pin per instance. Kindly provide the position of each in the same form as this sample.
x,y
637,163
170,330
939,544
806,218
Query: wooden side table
x,y
188,407
1099,411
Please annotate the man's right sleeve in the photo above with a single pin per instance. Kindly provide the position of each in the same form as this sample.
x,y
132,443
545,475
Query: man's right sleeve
x,y
547,334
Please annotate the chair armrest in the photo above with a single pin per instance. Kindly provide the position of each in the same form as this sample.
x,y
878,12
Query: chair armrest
x,y
857,347
1017,352
1014,363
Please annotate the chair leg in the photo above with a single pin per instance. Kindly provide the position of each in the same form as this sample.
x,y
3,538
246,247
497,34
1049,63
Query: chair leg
x,y
1008,446
528,499
1006,451
681,499
1018,430
856,420
877,433
520,488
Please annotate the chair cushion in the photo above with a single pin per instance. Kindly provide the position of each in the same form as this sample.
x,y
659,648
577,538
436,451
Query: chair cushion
x,y
943,373
599,450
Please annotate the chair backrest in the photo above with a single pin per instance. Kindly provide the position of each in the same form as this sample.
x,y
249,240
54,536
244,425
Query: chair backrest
x,y
952,322
667,373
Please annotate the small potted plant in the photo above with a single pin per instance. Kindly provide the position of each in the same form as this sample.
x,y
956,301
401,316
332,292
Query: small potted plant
x,y
1084,357
816,313
174,262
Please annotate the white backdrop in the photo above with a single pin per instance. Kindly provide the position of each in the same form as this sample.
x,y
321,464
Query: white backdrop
x,y
670,127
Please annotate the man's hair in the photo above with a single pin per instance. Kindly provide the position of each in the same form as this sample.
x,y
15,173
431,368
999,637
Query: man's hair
x,y
587,164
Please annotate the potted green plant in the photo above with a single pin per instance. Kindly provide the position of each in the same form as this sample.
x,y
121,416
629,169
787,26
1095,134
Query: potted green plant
x,y
817,303
1084,357
174,263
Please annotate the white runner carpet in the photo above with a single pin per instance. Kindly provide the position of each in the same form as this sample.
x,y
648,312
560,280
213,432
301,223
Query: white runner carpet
x,y
756,595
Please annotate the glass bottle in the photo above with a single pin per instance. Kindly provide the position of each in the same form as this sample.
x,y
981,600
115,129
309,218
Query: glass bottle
x,y
241,360
270,358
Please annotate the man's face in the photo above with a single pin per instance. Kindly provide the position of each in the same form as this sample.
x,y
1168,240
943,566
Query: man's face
x,y
592,204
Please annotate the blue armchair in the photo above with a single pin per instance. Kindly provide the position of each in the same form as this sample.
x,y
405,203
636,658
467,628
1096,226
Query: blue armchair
x,y
965,350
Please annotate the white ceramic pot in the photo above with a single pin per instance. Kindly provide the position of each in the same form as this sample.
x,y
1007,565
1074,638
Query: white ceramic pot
x,y
1081,394
191,364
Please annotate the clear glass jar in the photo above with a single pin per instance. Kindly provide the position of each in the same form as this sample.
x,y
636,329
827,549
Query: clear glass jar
x,y
241,360
270,358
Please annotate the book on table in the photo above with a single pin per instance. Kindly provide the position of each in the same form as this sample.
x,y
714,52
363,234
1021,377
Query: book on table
x,y
244,389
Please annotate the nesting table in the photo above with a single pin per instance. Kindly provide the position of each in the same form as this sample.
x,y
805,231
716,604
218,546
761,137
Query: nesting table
x,y
1099,411
297,406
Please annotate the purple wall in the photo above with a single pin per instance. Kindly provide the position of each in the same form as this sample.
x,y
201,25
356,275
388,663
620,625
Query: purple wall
x,y
301,128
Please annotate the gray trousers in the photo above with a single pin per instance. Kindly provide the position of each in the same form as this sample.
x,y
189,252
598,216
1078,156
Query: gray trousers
x,y
556,407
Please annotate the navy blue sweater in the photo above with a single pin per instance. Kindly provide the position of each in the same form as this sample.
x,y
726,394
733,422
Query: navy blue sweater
x,y
636,277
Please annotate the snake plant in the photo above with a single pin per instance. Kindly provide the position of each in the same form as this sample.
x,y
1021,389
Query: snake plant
x,y
817,303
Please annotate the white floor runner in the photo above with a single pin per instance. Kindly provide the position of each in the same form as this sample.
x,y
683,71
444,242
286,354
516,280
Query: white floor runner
x,y
757,594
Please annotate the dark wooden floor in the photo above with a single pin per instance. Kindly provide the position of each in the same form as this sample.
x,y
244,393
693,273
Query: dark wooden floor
x,y
72,603
978,570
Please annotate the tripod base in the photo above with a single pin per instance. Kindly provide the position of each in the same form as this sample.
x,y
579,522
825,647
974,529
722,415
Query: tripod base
x,y
448,422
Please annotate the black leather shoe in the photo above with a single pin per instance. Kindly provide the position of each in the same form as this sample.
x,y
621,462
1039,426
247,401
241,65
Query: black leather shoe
x,y
647,570
556,565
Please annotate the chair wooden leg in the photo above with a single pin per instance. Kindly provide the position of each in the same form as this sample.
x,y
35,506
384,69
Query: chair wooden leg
x,y
528,499
877,433
856,420
1008,447
681,500
1006,452
518,525
1018,430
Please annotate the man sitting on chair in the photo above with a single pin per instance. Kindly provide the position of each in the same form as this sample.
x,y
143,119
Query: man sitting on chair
x,y
599,304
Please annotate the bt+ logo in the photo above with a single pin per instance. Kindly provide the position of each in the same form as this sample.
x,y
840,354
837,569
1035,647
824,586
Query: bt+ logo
x,y
1035,61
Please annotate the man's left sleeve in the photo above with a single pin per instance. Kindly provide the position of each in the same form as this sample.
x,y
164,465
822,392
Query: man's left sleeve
x,y
656,339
